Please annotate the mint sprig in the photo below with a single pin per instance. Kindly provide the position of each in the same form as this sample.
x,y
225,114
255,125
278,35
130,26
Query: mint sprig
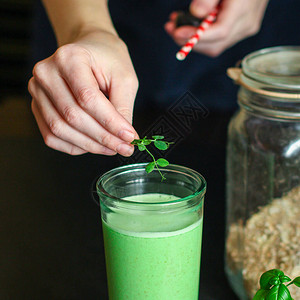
x,y
273,287
160,144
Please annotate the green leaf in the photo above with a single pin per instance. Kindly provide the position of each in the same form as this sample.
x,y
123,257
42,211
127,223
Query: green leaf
x,y
267,276
162,162
161,145
261,294
146,142
158,137
279,292
158,143
284,278
150,167
296,281
274,281
142,147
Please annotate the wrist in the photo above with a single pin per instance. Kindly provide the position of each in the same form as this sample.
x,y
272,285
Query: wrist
x,y
84,30
72,18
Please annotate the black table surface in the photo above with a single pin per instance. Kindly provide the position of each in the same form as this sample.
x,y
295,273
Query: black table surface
x,y
51,244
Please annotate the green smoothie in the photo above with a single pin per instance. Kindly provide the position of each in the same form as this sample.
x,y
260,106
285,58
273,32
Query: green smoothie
x,y
153,258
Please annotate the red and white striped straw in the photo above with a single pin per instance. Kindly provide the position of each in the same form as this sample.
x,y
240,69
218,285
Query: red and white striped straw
x,y
187,48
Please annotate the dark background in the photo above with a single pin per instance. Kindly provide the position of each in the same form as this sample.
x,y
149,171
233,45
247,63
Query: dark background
x,y
15,32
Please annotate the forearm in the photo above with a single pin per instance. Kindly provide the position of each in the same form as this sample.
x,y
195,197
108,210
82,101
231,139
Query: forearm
x,y
71,18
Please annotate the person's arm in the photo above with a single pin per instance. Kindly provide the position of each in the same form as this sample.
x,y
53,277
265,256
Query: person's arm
x,y
237,20
70,18
83,95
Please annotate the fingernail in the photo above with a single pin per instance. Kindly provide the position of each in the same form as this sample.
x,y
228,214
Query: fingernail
x,y
109,152
125,149
127,136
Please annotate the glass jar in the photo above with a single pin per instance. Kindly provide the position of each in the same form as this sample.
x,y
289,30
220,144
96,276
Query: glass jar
x,y
263,170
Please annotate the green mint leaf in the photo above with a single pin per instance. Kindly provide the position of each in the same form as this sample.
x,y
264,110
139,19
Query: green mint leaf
x,y
261,294
158,137
279,292
142,147
161,145
146,142
284,278
158,143
150,167
162,162
296,281
267,276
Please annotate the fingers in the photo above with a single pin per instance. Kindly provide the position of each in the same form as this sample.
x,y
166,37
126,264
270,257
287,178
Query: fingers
x,y
70,93
212,43
56,132
64,102
85,88
79,121
170,27
173,16
182,34
50,139
122,96
201,8
236,21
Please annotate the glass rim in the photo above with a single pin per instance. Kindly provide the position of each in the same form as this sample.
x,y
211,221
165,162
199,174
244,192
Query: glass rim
x,y
139,166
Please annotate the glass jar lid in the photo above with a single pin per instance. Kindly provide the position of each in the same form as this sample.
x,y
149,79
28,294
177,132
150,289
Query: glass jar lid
x,y
273,72
278,67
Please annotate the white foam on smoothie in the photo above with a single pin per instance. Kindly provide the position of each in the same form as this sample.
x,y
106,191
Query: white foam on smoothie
x,y
152,198
156,234
157,225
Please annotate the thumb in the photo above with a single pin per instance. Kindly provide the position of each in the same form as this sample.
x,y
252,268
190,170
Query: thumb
x,y
201,8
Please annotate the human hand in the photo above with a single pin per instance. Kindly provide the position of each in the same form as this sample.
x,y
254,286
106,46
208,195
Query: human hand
x,y
83,96
236,21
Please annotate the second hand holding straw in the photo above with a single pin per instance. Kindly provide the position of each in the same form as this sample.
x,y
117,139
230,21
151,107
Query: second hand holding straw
x,y
187,48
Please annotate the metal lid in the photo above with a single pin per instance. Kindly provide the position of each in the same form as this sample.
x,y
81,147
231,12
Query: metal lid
x,y
277,66
272,72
